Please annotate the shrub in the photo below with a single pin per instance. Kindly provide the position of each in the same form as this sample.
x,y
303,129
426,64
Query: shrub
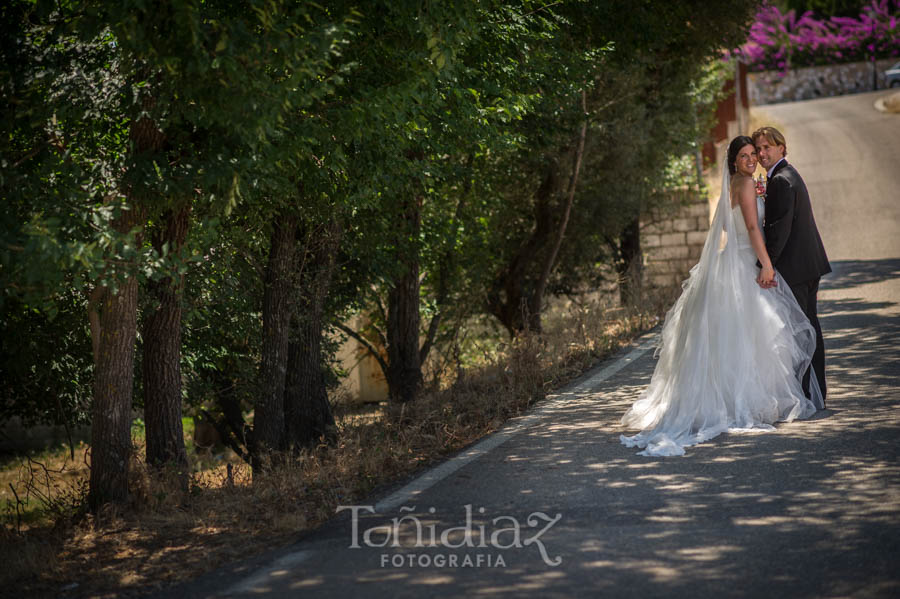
x,y
782,41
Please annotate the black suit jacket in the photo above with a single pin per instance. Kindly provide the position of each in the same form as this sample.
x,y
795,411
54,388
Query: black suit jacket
x,y
792,238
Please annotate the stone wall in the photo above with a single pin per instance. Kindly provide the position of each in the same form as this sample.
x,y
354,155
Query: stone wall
x,y
364,383
808,83
672,241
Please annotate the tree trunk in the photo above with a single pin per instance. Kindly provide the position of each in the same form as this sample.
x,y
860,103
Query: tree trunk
x,y
537,294
113,317
404,376
630,266
162,354
308,416
268,421
508,298
230,425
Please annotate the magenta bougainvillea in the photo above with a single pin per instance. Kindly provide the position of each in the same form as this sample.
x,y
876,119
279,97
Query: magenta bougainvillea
x,y
781,41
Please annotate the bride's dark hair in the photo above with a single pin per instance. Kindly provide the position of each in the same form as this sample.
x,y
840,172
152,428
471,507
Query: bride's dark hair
x,y
733,148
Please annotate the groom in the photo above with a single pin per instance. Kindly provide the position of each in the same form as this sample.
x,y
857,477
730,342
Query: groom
x,y
792,238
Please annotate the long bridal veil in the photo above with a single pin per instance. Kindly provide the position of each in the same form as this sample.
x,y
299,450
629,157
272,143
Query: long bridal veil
x,y
731,355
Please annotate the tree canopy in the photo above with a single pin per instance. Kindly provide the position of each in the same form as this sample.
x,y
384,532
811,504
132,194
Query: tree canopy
x,y
200,194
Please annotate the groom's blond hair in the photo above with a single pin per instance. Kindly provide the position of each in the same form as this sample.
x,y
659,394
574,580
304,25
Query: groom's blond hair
x,y
772,135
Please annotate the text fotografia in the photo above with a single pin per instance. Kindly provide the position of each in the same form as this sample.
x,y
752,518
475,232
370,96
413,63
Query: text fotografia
x,y
504,532
442,560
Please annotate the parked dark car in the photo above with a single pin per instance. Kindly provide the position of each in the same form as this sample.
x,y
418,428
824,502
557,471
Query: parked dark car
x,y
892,76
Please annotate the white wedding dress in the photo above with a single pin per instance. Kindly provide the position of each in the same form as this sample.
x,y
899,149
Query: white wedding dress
x,y
731,354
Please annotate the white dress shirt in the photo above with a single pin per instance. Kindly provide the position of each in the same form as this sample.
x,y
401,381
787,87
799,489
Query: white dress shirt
x,y
769,173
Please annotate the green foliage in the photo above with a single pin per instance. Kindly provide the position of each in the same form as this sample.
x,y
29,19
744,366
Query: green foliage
x,y
46,364
649,104
213,79
340,112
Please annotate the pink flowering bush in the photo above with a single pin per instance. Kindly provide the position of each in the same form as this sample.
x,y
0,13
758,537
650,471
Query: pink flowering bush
x,y
781,41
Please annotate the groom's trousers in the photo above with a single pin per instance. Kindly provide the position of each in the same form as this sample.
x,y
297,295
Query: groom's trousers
x,y
806,297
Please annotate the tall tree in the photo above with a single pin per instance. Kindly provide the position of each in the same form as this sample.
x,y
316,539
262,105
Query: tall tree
x,y
404,375
442,88
131,109
113,316
308,416
161,371
643,98
268,423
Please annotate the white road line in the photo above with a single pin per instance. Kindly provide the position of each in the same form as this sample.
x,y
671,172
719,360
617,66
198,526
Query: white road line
x,y
427,480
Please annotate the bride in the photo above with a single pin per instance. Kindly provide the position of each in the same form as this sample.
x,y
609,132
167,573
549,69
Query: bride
x,y
732,354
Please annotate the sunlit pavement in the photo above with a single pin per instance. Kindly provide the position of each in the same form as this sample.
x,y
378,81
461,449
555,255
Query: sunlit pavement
x,y
810,510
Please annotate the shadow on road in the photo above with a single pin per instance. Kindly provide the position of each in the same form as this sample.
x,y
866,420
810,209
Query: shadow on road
x,y
853,273
812,509
862,356
809,510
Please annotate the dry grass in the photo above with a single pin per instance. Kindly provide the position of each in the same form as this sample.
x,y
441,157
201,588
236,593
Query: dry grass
x,y
165,534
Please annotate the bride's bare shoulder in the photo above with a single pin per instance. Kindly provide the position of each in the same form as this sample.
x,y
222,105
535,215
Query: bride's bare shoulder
x,y
743,187
742,182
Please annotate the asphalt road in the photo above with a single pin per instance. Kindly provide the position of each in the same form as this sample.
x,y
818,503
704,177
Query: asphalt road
x,y
810,510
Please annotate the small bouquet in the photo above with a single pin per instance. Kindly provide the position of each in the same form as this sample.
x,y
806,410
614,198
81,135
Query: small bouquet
x,y
761,186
